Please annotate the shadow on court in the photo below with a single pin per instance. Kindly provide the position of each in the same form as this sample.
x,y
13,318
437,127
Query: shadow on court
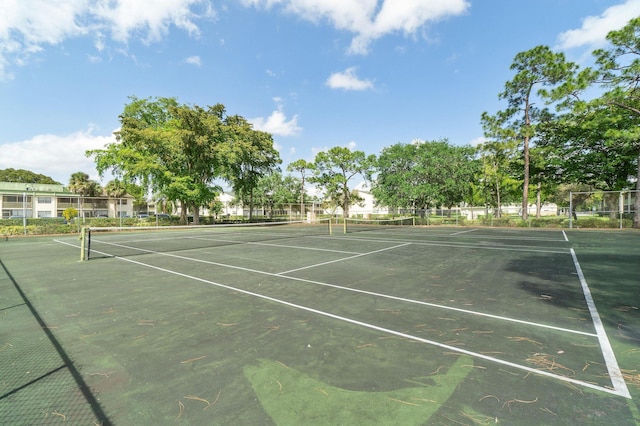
x,y
39,382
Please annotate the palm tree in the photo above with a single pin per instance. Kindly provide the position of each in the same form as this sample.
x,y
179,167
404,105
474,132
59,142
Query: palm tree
x,y
115,189
79,183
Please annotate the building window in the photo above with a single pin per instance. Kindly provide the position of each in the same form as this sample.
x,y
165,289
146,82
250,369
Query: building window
x,y
44,200
15,198
44,213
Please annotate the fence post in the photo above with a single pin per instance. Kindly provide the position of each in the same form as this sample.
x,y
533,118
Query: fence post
x,y
570,210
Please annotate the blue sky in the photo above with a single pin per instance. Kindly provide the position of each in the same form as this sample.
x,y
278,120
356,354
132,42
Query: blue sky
x,y
315,73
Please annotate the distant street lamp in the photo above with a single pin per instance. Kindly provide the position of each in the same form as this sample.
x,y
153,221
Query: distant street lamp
x,y
24,212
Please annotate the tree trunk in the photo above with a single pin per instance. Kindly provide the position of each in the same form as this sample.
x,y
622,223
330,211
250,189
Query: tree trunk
x,y
499,212
250,204
196,213
636,213
539,200
183,212
525,184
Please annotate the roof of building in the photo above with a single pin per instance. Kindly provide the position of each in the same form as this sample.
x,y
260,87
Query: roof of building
x,y
33,187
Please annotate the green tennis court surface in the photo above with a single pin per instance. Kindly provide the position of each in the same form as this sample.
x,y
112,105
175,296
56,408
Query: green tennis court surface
x,y
392,325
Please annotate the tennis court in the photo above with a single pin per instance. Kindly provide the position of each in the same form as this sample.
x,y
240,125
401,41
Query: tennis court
x,y
301,324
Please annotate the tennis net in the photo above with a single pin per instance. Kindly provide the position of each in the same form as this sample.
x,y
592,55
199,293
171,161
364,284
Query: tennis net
x,y
100,242
359,225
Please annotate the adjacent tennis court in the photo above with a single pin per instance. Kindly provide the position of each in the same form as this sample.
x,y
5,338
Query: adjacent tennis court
x,y
305,324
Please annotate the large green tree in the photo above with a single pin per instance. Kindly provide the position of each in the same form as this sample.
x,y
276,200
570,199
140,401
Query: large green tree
x,y
302,167
251,156
618,68
276,192
180,151
498,183
24,176
537,72
334,171
424,175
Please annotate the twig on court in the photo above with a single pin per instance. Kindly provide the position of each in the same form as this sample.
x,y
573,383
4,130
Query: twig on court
x,y
181,409
489,396
186,361
521,401
525,339
437,370
545,409
423,400
543,361
197,398
389,311
404,402
214,401
322,391
55,413
479,419
632,377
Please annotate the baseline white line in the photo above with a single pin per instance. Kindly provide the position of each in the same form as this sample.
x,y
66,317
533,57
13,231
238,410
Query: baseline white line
x,y
384,330
343,259
463,232
355,290
605,345
565,236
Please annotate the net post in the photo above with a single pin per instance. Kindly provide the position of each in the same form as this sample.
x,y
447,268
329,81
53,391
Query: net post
x,y
83,239
330,227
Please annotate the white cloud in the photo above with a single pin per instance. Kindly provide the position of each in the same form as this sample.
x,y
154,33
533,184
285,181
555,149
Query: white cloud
x,y
54,155
193,60
348,80
27,27
369,19
277,123
152,17
595,28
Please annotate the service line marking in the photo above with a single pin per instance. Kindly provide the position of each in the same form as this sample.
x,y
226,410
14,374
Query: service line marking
x,y
343,259
464,232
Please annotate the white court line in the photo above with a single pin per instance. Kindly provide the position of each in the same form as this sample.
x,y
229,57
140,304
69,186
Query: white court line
x,y
565,236
464,232
355,290
256,243
456,245
386,330
343,259
607,351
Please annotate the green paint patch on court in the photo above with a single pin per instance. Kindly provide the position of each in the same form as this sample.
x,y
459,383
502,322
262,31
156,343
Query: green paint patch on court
x,y
292,397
